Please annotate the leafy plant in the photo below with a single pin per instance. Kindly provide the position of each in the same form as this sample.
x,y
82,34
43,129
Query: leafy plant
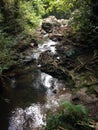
x,y
6,56
30,14
71,117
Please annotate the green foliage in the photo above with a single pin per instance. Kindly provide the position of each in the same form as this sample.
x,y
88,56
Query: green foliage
x,y
1,17
30,13
56,8
74,110
69,117
17,17
5,52
80,15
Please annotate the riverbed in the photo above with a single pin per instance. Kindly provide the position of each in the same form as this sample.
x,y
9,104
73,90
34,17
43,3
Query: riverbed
x,y
31,95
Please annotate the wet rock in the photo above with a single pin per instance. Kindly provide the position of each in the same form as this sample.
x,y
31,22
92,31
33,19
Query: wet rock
x,y
54,91
33,43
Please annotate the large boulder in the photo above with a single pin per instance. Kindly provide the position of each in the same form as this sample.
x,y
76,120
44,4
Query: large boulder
x,y
57,28
47,27
49,23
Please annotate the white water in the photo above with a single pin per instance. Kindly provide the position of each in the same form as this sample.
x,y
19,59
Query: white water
x,y
29,118
48,45
34,116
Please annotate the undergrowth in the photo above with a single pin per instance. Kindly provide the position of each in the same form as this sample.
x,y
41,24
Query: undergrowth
x,y
70,117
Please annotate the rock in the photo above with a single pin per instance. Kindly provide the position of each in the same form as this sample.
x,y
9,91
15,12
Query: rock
x,y
55,37
96,88
28,59
53,20
43,32
65,97
58,28
49,23
47,27
75,99
63,22
96,126
33,43
39,65
54,91
83,97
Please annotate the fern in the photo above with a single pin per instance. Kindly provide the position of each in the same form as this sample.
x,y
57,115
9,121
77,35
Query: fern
x,y
69,117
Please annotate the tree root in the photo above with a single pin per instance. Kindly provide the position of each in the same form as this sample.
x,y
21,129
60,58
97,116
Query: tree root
x,y
87,64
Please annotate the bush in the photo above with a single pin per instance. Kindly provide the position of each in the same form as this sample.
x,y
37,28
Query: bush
x,y
71,117
6,55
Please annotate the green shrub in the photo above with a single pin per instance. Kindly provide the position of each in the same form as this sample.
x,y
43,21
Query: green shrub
x,y
6,56
71,117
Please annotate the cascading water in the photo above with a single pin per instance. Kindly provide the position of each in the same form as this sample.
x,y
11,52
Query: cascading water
x,y
48,45
31,95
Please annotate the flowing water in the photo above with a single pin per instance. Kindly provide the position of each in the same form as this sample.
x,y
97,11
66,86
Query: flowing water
x,y
48,45
30,95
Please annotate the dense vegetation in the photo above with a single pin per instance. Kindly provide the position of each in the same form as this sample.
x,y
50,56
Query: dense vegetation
x,y
17,20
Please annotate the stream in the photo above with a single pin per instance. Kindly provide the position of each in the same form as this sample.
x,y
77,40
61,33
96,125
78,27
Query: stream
x,y
31,95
